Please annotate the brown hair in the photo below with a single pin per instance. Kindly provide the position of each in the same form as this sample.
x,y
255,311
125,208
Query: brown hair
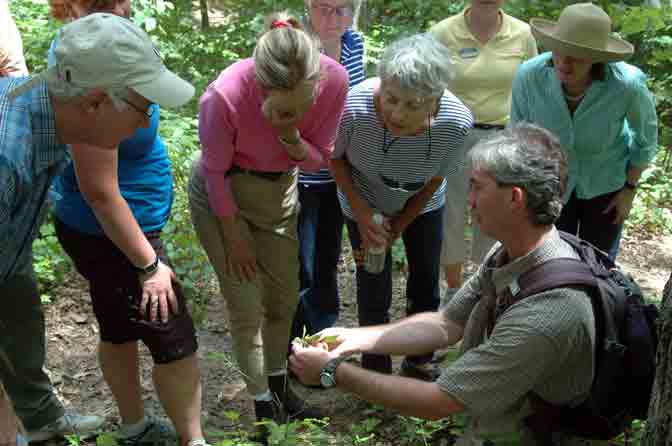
x,y
285,55
60,9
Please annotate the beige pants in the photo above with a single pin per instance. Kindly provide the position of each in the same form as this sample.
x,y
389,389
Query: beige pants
x,y
261,310
454,248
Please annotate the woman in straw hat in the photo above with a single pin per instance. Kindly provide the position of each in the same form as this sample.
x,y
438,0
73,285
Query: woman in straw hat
x,y
602,111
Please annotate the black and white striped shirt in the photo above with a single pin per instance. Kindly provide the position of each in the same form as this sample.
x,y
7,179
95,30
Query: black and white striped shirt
x,y
437,152
352,59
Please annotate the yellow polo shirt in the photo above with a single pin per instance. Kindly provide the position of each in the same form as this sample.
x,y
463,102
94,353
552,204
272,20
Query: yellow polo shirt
x,y
484,73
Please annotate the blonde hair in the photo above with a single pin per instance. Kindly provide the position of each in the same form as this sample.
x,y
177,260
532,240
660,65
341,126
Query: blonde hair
x,y
285,54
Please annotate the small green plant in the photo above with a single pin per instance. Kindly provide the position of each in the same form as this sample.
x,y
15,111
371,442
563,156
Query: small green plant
x,y
364,432
418,431
74,440
309,340
107,439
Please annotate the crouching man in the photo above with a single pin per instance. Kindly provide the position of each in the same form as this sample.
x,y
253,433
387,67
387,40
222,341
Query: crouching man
x,y
541,345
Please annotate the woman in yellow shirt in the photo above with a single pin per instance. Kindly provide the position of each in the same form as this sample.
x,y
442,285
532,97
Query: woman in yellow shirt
x,y
487,47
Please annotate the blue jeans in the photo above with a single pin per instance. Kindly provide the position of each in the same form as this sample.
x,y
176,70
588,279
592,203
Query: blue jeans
x,y
613,250
422,241
320,230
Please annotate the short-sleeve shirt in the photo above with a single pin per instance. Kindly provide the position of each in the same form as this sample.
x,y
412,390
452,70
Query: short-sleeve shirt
x,y
30,158
372,151
614,127
542,344
143,174
484,72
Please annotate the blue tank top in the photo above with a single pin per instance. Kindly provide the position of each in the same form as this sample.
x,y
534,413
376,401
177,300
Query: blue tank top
x,y
144,175
145,181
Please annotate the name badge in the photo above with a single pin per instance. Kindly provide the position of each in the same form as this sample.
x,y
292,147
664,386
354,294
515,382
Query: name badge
x,y
468,53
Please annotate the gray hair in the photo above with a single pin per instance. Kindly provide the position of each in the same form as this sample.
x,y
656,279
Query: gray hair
x,y
420,63
285,56
63,90
530,157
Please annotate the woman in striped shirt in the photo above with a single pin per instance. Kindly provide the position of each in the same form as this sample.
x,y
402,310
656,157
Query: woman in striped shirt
x,y
401,135
321,220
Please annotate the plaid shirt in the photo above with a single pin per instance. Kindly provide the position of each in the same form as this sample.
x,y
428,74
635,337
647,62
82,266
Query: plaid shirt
x,y
30,157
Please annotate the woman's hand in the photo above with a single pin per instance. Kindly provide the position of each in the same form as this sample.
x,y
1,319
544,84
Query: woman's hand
x,y
158,297
398,225
241,261
371,233
621,205
284,122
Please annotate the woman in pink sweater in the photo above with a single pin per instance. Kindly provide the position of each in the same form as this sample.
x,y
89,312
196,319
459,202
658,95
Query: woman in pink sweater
x,y
261,120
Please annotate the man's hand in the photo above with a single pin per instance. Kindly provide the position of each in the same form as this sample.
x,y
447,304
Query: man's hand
x,y
158,297
241,261
621,205
343,341
307,362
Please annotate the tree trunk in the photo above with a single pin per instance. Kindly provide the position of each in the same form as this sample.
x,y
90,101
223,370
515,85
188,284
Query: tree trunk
x,y
659,424
205,19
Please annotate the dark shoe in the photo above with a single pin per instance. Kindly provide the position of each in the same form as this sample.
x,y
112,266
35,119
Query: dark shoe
x,y
157,433
424,372
266,411
293,404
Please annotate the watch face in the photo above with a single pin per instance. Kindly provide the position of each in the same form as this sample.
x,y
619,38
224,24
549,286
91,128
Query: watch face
x,y
327,380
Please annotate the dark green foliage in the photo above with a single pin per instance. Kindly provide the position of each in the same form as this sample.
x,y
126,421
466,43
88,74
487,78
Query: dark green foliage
x,y
201,54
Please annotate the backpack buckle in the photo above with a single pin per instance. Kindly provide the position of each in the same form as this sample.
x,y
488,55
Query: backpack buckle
x,y
613,346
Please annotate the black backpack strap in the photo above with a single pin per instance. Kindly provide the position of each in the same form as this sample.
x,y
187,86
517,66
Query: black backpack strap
x,y
574,273
555,273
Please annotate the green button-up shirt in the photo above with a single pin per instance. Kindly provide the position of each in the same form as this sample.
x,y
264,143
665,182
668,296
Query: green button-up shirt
x,y
614,127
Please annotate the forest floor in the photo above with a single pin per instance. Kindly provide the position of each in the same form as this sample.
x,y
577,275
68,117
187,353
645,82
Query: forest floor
x,y
72,337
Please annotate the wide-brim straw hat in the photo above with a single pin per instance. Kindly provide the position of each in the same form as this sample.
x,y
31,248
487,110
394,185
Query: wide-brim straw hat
x,y
583,30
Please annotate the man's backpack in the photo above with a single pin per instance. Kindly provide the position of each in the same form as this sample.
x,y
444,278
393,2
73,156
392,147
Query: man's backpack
x,y
625,345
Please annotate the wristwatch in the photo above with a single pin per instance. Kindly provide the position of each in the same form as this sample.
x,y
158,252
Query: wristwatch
x,y
148,270
328,373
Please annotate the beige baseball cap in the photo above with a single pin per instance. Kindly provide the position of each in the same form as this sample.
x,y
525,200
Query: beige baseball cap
x,y
107,51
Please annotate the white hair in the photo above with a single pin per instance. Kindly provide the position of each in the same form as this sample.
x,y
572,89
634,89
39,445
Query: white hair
x,y
420,63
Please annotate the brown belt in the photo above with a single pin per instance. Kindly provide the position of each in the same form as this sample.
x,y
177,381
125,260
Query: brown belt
x,y
271,176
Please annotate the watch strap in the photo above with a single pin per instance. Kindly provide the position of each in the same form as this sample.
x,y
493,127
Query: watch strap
x,y
331,366
148,270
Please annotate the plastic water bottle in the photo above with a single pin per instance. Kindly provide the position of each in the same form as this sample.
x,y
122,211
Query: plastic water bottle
x,y
376,255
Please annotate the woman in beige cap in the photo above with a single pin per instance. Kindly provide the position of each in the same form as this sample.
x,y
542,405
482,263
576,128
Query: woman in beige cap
x,y
601,110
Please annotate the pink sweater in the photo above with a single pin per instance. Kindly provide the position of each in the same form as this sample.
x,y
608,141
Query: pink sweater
x,y
233,130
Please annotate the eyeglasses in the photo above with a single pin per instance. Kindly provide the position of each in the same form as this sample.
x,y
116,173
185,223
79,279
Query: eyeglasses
x,y
396,185
149,112
401,187
342,11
